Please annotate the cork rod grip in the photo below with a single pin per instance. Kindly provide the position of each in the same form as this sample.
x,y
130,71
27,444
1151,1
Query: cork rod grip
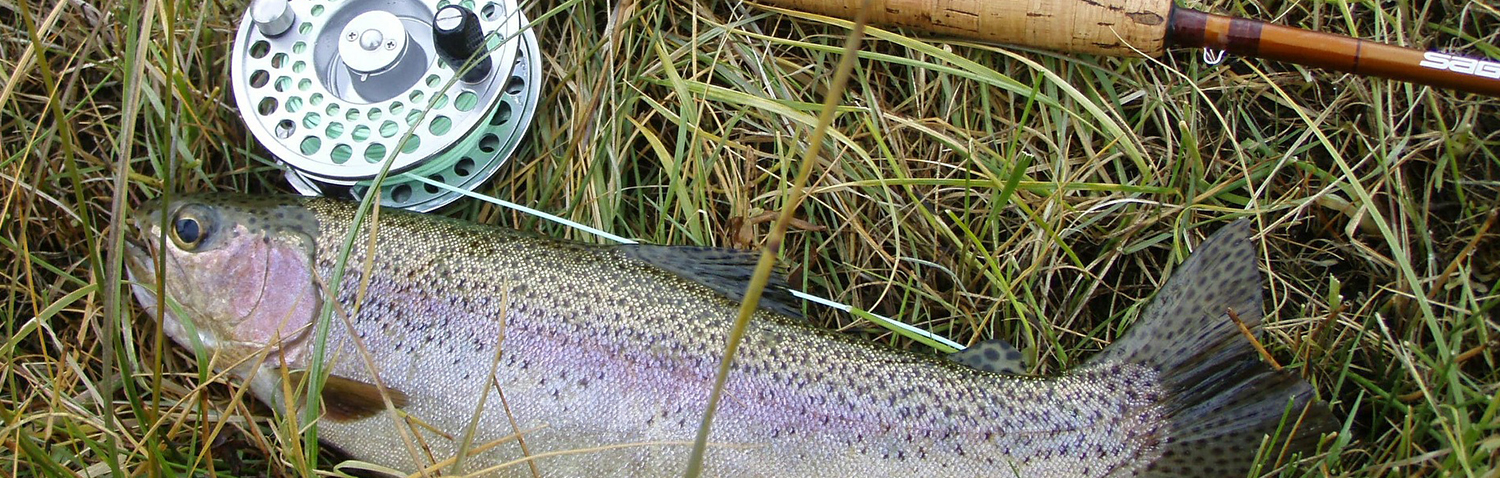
x,y
1106,27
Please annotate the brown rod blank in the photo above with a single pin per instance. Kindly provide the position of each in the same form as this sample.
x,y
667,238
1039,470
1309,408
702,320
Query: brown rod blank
x,y
1134,27
1240,36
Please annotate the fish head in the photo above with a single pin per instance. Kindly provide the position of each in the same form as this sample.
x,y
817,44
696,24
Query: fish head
x,y
232,273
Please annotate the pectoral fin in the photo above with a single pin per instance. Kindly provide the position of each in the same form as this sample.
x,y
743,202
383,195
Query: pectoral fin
x,y
346,399
992,355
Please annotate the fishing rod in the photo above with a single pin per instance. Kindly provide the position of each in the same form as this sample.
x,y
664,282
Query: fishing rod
x,y
1133,27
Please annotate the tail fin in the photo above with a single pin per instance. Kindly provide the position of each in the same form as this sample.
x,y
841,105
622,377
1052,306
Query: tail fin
x,y
1221,401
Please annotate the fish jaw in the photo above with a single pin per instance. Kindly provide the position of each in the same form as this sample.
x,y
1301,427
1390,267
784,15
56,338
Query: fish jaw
x,y
247,289
140,268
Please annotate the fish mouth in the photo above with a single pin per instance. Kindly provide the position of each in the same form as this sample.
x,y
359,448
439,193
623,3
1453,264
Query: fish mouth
x,y
140,268
138,261
139,250
136,247
140,271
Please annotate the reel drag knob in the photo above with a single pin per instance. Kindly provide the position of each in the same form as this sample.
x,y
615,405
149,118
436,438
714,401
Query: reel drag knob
x,y
457,36
272,17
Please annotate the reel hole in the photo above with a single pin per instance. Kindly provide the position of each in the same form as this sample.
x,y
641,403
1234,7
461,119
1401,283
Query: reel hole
x,y
491,11
311,144
439,125
502,114
464,167
489,143
266,107
411,144
341,153
375,153
285,128
401,193
278,60
259,78
466,101
515,85
259,49
431,189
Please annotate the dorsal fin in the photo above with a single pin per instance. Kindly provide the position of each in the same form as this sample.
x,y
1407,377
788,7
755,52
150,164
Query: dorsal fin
x,y
346,399
994,355
726,271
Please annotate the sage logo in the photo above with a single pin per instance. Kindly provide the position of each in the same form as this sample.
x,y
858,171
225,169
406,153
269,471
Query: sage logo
x,y
1458,64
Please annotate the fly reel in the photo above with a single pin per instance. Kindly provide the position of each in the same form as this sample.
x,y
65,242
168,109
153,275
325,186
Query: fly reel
x,y
442,89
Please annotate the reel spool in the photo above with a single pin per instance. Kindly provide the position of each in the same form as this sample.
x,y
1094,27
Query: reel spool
x,y
333,88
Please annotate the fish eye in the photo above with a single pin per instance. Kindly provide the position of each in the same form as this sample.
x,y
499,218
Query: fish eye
x,y
187,230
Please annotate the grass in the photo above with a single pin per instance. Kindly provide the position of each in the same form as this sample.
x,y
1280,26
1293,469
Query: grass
x,y
972,190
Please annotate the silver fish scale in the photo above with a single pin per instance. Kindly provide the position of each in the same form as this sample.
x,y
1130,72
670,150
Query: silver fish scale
x,y
607,363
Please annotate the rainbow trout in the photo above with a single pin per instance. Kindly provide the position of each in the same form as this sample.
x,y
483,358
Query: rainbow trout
x,y
525,354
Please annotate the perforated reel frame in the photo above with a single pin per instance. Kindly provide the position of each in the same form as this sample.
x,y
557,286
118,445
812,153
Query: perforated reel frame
x,y
333,126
